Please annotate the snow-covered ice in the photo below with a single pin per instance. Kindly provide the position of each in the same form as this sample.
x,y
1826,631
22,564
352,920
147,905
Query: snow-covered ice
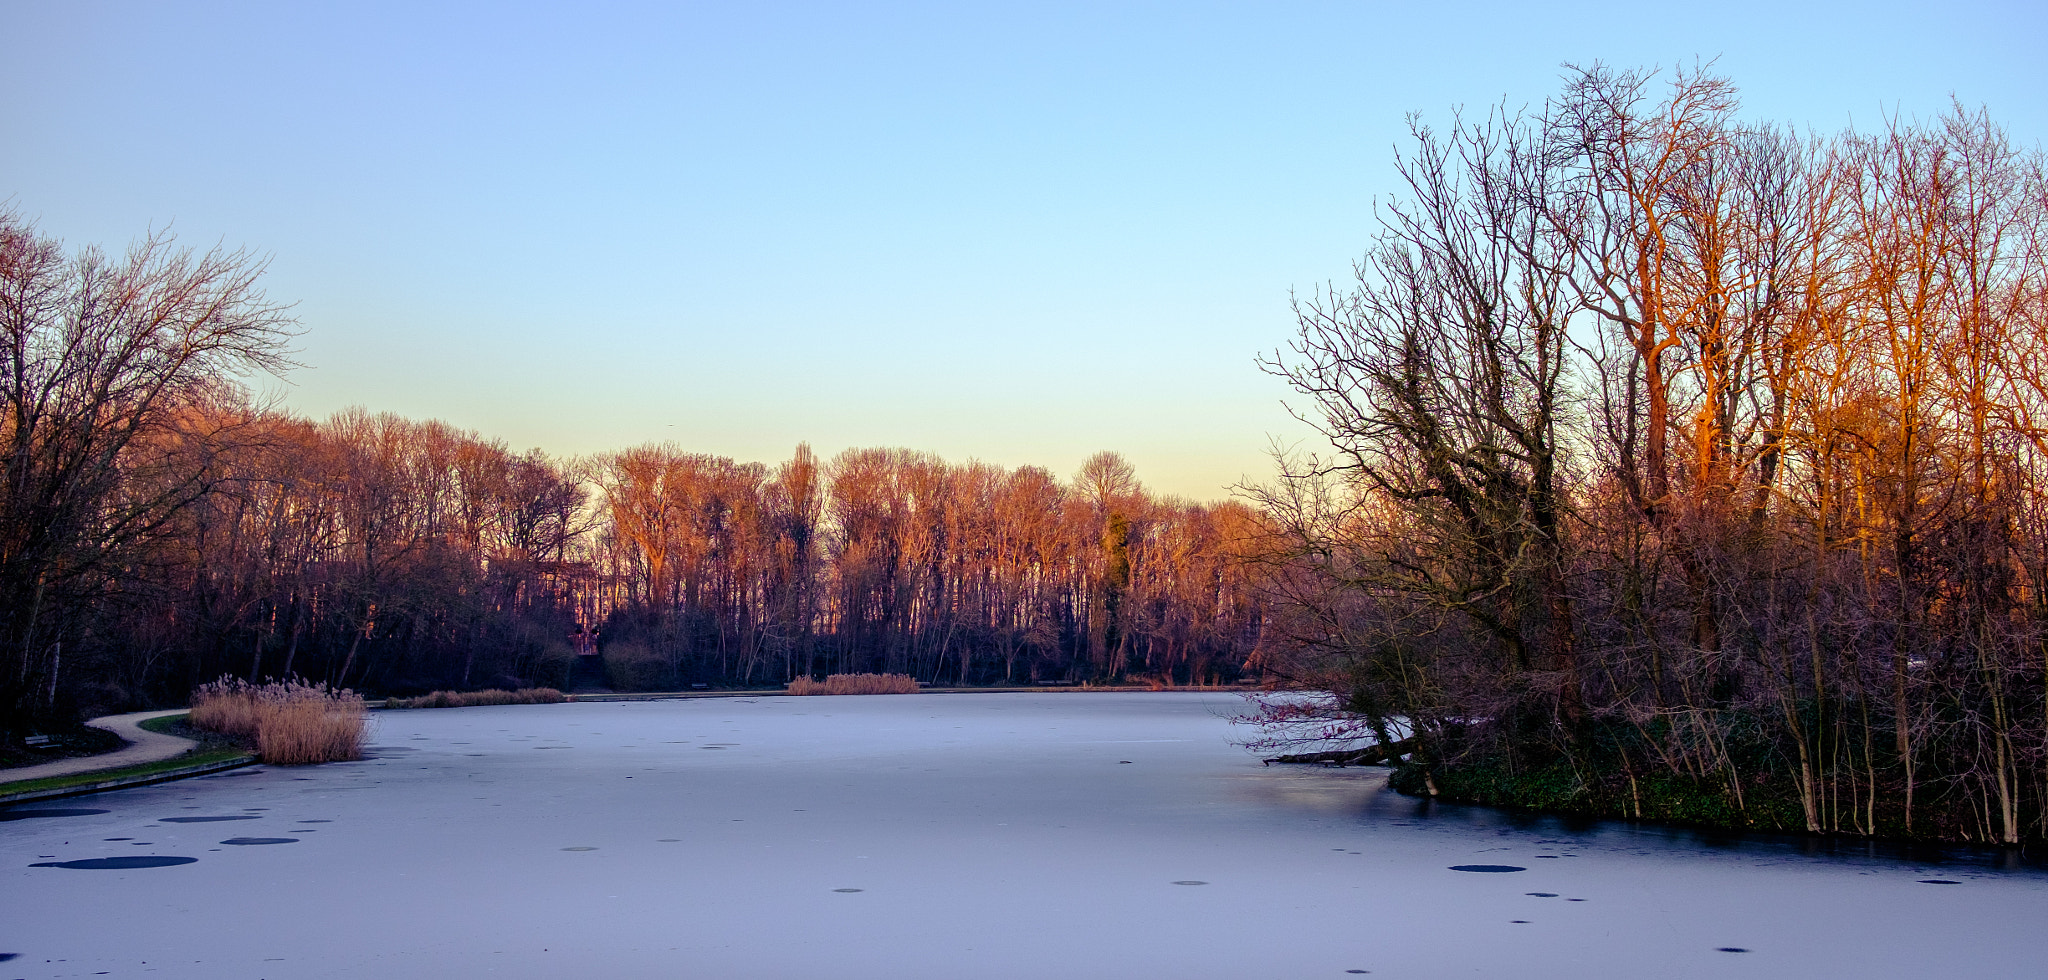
x,y
937,835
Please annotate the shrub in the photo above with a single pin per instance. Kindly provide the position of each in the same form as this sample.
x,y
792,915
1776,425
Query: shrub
x,y
472,699
292,722
554,666
635,667
856,684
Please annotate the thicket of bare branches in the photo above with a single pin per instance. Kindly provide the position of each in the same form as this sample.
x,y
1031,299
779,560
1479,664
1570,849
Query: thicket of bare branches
x,y
892,561
363,551
400,557
1671,448
113,377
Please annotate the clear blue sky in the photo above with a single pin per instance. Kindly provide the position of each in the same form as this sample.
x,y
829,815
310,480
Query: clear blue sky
x,y
1020,233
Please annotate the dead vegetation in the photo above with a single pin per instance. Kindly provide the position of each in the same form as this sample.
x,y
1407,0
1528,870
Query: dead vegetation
x,y
473,699
293,723
856,684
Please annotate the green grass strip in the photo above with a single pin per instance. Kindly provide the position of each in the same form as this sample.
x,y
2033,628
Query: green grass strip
x,y
166,725
199,758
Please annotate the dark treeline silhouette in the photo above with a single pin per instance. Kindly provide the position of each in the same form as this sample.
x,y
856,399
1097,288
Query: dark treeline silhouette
x,y
158,530
1688,468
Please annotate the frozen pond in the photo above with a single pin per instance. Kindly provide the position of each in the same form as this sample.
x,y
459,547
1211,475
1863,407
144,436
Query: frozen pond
x,y
912,836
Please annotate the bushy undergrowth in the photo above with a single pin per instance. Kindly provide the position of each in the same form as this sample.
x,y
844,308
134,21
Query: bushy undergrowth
x,y
1615,777
292,723
856,684
630,666
472,699
1556,788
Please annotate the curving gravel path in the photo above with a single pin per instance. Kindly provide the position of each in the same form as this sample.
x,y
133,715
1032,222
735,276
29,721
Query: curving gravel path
x,y
143,746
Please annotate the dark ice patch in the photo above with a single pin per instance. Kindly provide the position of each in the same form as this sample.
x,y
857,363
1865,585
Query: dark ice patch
x,y
846,891
260,840
6,815
312,821
1490,869
1541,894
1938,881
1190,882
1730,949
117,864
238,816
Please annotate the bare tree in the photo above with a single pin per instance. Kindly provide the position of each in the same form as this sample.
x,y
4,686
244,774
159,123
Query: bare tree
x,y
99,357
1798,555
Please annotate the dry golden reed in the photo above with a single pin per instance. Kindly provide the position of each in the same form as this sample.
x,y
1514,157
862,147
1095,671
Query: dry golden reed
x,y
294,723
472,699
856,684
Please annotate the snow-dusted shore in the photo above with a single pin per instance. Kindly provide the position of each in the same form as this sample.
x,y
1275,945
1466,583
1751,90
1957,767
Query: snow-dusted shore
x,y
957,836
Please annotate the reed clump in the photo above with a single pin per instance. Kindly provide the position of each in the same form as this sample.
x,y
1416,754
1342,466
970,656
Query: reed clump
x,y
293,723
473,699
856,684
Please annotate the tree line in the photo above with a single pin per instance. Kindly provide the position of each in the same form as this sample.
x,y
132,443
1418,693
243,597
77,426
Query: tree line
x,y
894,561
160,528
1683,465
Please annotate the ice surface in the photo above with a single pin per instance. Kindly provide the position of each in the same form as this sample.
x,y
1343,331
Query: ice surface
x,y
912,836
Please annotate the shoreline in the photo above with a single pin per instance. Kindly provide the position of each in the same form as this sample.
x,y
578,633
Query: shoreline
x,y
1694,811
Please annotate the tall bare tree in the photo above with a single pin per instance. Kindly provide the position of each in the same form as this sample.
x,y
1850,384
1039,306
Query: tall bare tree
x,y
100,358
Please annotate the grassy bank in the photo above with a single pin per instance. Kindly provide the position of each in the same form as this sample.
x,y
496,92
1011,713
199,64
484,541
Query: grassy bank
x,y
140,773
1770,806
213,749
1557,789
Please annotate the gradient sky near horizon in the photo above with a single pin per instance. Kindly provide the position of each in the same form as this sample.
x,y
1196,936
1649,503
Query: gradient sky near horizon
x,y
1013,232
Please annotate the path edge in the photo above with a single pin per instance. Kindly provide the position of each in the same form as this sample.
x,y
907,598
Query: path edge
x,y
123,782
